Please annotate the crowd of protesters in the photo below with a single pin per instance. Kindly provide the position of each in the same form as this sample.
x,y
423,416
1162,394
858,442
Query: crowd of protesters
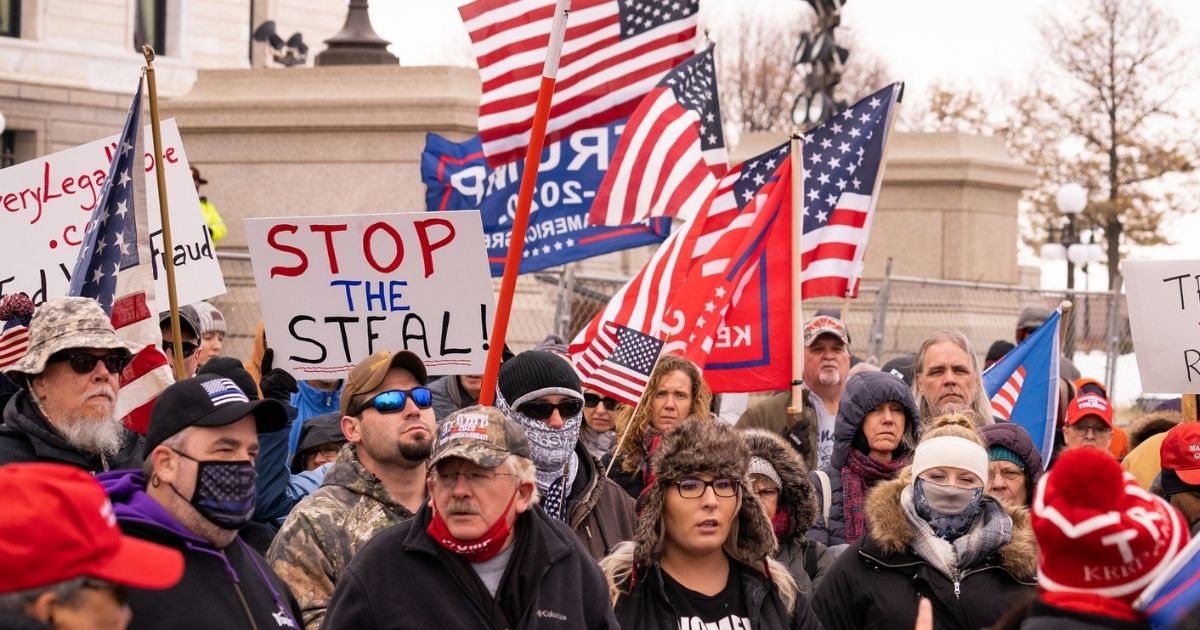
x,y
885,497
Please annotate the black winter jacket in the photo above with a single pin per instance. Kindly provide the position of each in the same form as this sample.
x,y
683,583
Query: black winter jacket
x,y
879,580
864,391
648,606
601,513
403,579
26,436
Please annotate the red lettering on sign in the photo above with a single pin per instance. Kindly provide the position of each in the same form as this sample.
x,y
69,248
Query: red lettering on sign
x,y
427,247
369,249
272,240
328,230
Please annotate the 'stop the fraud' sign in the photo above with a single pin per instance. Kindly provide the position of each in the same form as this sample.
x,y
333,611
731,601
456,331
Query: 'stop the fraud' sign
x,y
47,203
334,290
1164,315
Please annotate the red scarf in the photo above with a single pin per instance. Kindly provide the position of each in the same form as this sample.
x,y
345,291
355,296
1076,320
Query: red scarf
x,y
860,473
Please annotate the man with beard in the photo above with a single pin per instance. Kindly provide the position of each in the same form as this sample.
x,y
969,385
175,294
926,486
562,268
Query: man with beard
x,y
70,377
826,366
377,481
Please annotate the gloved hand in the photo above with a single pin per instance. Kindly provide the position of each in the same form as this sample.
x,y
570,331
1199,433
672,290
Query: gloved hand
x,y
796,434
278,385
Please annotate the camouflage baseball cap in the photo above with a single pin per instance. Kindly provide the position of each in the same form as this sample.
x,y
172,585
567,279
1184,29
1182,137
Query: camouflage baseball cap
x,y
824,325
63,324
482,435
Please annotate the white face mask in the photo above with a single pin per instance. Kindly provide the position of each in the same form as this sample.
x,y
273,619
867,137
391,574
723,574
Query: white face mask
x,y
947,499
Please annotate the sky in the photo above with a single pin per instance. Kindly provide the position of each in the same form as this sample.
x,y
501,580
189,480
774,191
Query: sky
x,y
970,43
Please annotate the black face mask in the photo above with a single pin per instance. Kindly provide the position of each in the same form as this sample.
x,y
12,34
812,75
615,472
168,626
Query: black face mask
x,y
224,492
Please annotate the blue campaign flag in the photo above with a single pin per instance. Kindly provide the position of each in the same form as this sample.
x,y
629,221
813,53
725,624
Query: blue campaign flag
x,y
1175,592
1023,385
457,177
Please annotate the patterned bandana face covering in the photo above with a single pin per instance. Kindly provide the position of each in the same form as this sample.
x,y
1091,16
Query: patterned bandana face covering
x,y
224,493
552,449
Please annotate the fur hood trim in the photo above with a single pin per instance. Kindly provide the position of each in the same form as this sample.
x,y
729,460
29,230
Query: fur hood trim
x,y
797,492
890,531
1152,424
703,447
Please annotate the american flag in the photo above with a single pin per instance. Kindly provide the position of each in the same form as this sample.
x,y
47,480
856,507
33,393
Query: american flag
x,y
16,310
671,153
614,52
109,270
618,362
1023,385
1005,399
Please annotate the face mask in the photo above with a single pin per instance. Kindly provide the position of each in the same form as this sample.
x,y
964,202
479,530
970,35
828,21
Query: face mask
x,y
947,499
224,493
483,548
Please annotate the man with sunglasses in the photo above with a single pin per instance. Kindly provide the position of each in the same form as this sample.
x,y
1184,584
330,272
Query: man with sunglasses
x,y
480,553
377,481
189,333
70,377
541,392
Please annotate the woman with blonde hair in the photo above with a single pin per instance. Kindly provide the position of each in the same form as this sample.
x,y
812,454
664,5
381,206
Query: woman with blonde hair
x,y
701,556
933,534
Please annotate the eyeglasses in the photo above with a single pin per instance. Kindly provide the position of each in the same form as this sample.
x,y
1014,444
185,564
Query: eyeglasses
x,y
610,403
189,348
1083,430
542,410
477,479
694,488
394,400
83,362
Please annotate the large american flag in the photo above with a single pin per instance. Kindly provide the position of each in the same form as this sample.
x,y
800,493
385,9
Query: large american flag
x,y
614,52
671,153
110,270
619,362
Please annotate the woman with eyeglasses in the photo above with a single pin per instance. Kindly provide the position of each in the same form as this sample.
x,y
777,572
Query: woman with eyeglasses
x,y
933,534
675,392
701,557
600,413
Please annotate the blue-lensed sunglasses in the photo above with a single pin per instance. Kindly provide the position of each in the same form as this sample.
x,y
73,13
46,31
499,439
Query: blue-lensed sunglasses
x,y
394,400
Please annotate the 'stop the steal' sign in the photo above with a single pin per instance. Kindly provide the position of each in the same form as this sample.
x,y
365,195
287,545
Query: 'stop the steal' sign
x,y
333,290
1164,314
47,203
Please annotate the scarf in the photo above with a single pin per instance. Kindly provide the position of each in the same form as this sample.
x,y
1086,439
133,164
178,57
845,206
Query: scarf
x,y
947,526
991,529
597,444
553,453
860,473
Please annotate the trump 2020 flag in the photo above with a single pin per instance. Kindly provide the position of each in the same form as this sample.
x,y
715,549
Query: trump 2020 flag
x,y
1175,592
1023,385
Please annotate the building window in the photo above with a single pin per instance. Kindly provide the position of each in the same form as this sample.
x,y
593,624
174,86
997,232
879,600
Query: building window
x,y
8,149
10,18
150,25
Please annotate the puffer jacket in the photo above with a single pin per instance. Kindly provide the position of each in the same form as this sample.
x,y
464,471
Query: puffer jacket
x,y
864,391
26,436
600,512
449,396
327,528
1016,439
805,559
879,580
771,415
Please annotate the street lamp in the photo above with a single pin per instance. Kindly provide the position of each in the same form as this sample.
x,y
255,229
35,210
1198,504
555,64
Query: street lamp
x,y
1071,200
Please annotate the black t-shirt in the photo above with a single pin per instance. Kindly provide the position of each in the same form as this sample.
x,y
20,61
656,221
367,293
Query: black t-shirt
x,y
726,609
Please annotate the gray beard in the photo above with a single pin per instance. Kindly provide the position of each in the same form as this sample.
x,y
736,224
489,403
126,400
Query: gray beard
x,y
101,436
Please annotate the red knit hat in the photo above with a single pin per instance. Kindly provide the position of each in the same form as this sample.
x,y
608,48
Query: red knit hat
x,y
1098,532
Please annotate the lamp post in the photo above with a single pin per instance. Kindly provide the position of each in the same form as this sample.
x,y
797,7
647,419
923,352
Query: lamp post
x,y
1071,200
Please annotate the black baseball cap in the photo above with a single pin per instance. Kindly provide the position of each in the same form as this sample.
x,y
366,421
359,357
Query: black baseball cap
x,y
208,400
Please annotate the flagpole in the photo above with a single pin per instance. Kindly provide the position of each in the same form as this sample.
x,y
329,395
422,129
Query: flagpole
x,y
516,243
160,176
797,386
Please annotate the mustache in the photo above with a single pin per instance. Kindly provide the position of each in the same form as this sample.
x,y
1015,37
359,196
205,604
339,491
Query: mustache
x,y
460,507
100,390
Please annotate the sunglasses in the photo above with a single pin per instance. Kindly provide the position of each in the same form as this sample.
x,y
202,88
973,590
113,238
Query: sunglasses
x,y
591,400
189,348
542,410
394,401
83,362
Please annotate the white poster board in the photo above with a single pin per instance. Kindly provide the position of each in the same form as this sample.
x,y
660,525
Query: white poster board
x,y
1164,314
333,290
45,205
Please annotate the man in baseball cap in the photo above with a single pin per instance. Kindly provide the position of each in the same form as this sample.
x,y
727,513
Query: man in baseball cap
x,y
194,492
66,412
1089,422
189,335
482,523
1180,476
63,560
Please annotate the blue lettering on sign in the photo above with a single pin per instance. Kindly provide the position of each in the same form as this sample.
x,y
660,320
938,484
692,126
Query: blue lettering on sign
x,y
456,177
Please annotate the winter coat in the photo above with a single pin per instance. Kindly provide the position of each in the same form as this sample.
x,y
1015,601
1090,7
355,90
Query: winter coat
x,y
806,560
311,402
1145,461
327,528
26,436
449,396
647,606
879,580
404,579
771,415
631,482
600,512
1043,616
1152,424
220,589
1016,439
864,391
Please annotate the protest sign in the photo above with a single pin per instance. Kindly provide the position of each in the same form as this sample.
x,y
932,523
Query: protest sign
x,y
1164,314
333,290
457,177
47,203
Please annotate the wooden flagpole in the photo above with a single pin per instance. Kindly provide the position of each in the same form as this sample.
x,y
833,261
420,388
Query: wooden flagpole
x,y
516,243
797,402
161,177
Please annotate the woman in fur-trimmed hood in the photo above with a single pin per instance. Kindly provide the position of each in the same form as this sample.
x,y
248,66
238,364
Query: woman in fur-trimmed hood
x,y
932,534
703,546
